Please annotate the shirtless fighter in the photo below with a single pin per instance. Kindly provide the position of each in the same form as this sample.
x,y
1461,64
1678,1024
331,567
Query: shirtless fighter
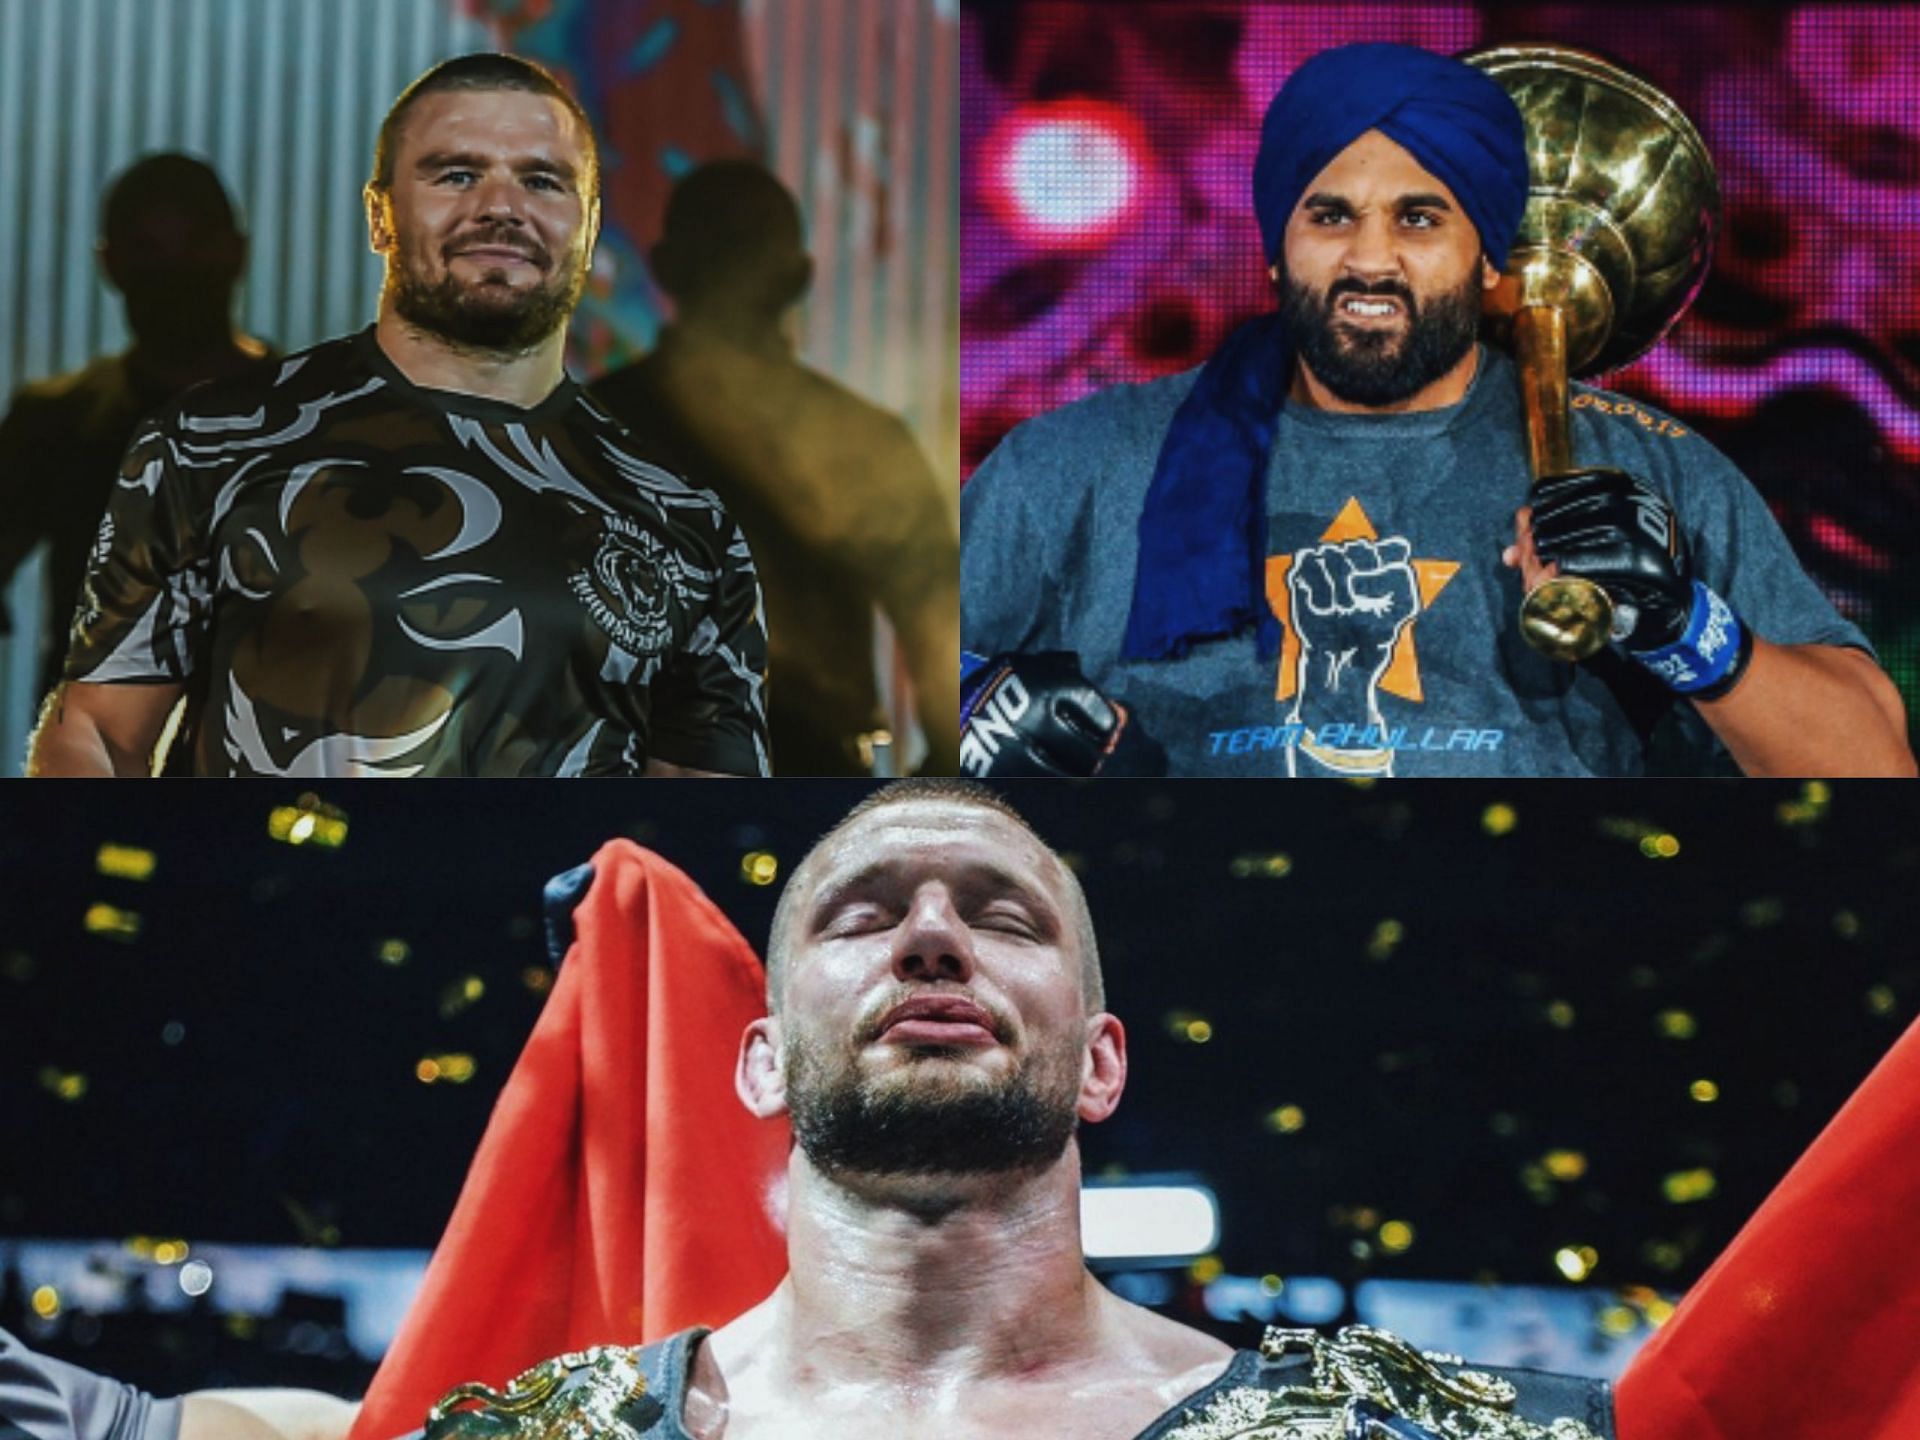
x,y
937,1033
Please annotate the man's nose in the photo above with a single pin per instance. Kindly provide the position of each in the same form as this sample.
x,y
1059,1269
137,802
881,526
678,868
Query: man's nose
x,y
501,198
933,942
1370,253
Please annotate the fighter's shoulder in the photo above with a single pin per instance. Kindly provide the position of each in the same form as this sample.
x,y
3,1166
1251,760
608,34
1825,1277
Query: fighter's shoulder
x,y
240,403
57,392
1126,416
1099,439
1612,411
640,468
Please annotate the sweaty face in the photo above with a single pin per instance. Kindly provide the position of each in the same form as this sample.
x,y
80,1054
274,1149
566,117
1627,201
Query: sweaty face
x,y
932,1015
490,232
1381,277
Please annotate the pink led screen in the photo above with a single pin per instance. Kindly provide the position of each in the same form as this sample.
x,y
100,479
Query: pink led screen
x,y
1106,233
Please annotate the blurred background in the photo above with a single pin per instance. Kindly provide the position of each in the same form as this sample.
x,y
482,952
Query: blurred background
x,y
1107,233
849,102
1501,1067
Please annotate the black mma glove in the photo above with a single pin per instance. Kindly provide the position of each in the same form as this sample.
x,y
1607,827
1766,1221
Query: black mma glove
x,y
1608,527
1024,715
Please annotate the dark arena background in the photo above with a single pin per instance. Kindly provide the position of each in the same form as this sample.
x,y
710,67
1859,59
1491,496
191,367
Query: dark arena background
x,y
1107,233
1500,1067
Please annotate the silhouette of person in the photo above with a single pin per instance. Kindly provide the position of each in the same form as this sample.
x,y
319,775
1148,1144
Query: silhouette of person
x,y
169,244
839,505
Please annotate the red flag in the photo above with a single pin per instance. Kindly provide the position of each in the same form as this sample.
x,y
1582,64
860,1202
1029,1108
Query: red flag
x,y
621,1192
1809,1325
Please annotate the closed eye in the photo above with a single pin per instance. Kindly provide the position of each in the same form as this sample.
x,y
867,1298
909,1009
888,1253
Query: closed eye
x,y
856,919
1006,920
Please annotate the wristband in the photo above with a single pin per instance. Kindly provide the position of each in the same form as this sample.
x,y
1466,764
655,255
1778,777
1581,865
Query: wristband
x,y
1710,655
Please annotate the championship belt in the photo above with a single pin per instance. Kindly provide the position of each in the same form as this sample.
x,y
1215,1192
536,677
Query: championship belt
x,y
1364,1384
581,1395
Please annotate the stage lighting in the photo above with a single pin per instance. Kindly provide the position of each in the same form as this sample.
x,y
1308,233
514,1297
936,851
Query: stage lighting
x,y
1148,1221
1065,173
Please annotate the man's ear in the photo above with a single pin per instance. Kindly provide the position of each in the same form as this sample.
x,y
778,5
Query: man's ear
x,y
759,1076
379,219
1489,277
1103,1073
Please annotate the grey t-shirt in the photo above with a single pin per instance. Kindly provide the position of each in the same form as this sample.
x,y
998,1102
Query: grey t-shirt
x,y
47,1399
1543,1398
1401,655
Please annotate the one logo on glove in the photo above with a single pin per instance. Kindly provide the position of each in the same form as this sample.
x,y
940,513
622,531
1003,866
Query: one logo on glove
x,y
991,724
1347,607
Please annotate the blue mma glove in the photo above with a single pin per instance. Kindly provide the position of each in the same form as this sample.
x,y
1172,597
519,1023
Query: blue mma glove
x,y
1036,715
1616,531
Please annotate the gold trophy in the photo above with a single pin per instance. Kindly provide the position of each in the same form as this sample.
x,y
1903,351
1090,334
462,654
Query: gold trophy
x,y
1622,208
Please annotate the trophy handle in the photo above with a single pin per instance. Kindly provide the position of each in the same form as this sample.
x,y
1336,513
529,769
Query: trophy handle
x,y
1567,617
1622,208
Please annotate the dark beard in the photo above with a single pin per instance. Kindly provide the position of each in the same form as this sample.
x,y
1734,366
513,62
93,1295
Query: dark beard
x,y
1380,367
846,1124
448,309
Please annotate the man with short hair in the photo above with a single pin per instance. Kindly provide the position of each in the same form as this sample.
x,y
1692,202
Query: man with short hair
x,y
937,1035
420,550
1290,562
840,505
171,246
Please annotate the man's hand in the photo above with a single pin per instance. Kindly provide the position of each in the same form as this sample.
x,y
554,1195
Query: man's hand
x,y
265,1415
1023,715
1608,527
1779,709
101,729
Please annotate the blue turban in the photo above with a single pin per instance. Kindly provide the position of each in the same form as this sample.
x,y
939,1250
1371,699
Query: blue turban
x,y
1202,533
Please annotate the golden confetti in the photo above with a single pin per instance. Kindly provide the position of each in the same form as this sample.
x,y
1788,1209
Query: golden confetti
x,y
1576,1262
759,867
308,821
1286,1119
111,922
124,862
1499,819
1676,1024
1564,1164
1685,1187
1275,866
1385,939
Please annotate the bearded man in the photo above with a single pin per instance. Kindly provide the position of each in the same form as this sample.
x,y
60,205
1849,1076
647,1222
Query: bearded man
x,y
420,550
937,1033
1240,560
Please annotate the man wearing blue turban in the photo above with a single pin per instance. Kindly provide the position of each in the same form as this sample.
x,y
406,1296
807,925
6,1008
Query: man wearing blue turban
x,y
1239,561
